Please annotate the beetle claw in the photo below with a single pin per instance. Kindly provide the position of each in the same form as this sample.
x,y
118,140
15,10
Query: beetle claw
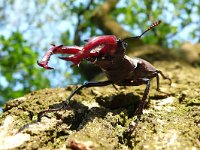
x,y
74,60
63,58
52,44
59,46
44,65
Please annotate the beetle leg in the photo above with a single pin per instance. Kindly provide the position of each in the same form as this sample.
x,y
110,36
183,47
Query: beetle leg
x,y
141,106
86,85
142,103
65,105
115,87
158,82
164,77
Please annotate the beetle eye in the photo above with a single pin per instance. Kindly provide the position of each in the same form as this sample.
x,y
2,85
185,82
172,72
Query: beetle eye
x,y
125,44
122,44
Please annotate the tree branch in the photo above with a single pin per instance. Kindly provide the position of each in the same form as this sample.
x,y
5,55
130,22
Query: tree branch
x,y
107,24
78,29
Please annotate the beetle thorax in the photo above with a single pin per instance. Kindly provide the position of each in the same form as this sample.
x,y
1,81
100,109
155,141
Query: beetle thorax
x,y
116,68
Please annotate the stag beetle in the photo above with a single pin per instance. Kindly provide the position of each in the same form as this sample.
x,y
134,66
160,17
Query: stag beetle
x,y
108,53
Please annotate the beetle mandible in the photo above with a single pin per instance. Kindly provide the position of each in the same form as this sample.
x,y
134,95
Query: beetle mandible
x,y
108,53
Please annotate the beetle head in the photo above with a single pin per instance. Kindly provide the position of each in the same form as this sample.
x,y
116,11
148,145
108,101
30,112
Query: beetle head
x,y
121,46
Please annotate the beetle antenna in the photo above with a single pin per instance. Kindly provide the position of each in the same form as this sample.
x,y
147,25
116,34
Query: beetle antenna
x,y
155,24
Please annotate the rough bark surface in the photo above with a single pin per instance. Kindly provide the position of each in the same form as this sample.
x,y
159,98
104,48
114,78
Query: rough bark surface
x,y
100,117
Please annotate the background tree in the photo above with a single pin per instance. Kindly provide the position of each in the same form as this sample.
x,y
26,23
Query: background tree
x,y
18,72
28,29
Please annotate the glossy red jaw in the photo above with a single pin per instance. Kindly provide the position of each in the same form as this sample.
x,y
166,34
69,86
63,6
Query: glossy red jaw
x,y
58,50
44,65
96,46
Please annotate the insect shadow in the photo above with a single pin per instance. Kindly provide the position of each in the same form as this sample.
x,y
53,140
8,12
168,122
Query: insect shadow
x,y
82,114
